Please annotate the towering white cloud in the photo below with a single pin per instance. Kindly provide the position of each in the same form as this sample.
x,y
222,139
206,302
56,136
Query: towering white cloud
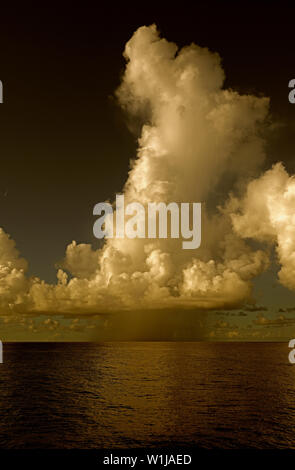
x,y
197,139
195,131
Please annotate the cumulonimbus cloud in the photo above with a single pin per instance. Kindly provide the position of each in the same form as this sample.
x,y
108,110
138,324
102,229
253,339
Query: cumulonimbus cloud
x,y
266,213
198,139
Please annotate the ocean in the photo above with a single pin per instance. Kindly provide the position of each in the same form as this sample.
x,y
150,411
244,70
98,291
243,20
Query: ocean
x,y
147,394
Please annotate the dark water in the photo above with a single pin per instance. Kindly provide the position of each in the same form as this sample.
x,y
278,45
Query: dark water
x,y
229,395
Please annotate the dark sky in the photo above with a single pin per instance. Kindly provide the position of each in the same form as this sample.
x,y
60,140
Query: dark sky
x,y
64,145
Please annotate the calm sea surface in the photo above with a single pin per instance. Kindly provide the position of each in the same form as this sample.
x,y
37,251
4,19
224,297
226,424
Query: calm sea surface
x,y
83,395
